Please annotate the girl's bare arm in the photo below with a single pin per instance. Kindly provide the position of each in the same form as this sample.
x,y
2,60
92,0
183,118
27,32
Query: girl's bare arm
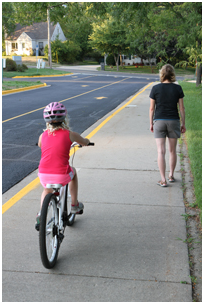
x,y
79,139
39,141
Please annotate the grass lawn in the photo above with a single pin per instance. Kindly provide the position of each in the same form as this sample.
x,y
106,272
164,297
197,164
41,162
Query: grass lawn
x,y
33,72
10,85
193,121
148,70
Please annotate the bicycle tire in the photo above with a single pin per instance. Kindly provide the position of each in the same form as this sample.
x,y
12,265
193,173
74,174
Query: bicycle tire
x,y
48,238
70,218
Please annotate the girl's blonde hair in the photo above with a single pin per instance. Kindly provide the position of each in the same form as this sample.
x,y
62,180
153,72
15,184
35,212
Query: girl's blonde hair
x,y
167,72
64,126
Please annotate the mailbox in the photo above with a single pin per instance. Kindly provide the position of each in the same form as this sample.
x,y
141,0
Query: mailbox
x,y
4,63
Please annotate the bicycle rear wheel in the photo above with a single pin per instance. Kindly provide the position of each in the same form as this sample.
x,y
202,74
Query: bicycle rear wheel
x,y
70,217
48,238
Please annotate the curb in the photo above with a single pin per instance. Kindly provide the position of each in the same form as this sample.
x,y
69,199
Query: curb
x,y
42,76
23,89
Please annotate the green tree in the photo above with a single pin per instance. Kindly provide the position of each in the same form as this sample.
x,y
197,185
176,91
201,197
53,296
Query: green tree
x,y
8,23
77,26
110,37
170,28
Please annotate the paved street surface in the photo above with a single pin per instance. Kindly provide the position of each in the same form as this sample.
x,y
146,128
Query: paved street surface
x,y
87,99
126,246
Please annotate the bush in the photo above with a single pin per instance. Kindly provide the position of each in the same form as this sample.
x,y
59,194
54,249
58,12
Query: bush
x,y
66,51
95,55
10,65
22,68
110,60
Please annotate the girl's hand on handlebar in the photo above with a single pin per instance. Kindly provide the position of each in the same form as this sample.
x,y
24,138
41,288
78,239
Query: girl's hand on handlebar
x,y
86,142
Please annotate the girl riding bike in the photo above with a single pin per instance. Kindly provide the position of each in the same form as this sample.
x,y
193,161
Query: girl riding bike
x,y
55,143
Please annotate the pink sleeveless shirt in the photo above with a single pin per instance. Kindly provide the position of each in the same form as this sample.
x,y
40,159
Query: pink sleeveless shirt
x,y
55,148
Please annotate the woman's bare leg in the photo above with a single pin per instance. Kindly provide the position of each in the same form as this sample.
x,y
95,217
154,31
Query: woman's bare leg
x,y
161,149
172,154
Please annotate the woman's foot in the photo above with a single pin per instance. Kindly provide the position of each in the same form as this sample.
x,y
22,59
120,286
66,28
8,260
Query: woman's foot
x,y
162,184
171,179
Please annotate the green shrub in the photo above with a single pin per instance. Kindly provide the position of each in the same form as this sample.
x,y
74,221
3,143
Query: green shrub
x,y
10,65
67,51
24,66
21,68
96,55
110,60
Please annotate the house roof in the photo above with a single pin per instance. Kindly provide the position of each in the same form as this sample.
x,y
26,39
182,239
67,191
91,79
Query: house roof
x,y
34,31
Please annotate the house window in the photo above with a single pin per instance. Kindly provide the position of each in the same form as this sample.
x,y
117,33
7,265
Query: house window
x,y
23,45
14,46
40,45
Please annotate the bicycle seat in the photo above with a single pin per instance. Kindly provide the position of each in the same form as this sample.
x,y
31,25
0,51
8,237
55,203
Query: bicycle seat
x,y
54,186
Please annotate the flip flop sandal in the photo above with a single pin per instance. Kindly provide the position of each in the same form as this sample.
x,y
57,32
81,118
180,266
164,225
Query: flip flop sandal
x,y
171,179
162,184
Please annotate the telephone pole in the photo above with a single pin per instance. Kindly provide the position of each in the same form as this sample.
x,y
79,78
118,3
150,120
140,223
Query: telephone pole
x,y
49,40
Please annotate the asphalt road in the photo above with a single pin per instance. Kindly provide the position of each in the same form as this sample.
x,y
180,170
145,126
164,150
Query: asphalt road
x,y
87,96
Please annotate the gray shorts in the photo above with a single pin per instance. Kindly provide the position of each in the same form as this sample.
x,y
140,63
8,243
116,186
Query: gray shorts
x,y
167,128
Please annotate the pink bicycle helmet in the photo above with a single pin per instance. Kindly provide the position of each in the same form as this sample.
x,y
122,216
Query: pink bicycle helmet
x,y
54,112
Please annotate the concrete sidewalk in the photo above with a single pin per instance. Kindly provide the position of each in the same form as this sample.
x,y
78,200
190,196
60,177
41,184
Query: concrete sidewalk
x,y
126,246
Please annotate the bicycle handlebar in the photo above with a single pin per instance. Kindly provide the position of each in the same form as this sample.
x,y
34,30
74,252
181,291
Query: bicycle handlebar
x,y
75,144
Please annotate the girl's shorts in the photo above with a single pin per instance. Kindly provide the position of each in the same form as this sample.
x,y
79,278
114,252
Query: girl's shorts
x,y
62,179
169,128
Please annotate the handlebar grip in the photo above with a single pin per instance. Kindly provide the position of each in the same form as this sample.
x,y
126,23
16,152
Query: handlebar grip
x,y
91,144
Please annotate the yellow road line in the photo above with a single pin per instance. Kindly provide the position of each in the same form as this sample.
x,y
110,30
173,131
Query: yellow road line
x,y
43,76
23,89
20,194
65,100
36,181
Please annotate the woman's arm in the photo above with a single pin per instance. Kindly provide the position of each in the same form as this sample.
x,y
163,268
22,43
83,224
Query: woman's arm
x,y
151,113
182,114
79,139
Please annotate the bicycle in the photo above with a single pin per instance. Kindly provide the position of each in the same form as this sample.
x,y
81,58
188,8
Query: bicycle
x,y
55,216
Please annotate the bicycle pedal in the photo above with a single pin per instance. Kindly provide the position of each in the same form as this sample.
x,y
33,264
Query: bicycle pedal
x,y
61,236
37,227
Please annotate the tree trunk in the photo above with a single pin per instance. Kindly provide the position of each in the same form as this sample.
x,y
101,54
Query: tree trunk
x,y
49,40
199,75
121,61
117,62
116,58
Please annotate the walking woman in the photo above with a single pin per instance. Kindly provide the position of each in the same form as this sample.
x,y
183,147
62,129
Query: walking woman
x,y
166,102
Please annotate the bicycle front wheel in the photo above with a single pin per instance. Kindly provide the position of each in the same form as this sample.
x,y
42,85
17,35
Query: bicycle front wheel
x,y
48,238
